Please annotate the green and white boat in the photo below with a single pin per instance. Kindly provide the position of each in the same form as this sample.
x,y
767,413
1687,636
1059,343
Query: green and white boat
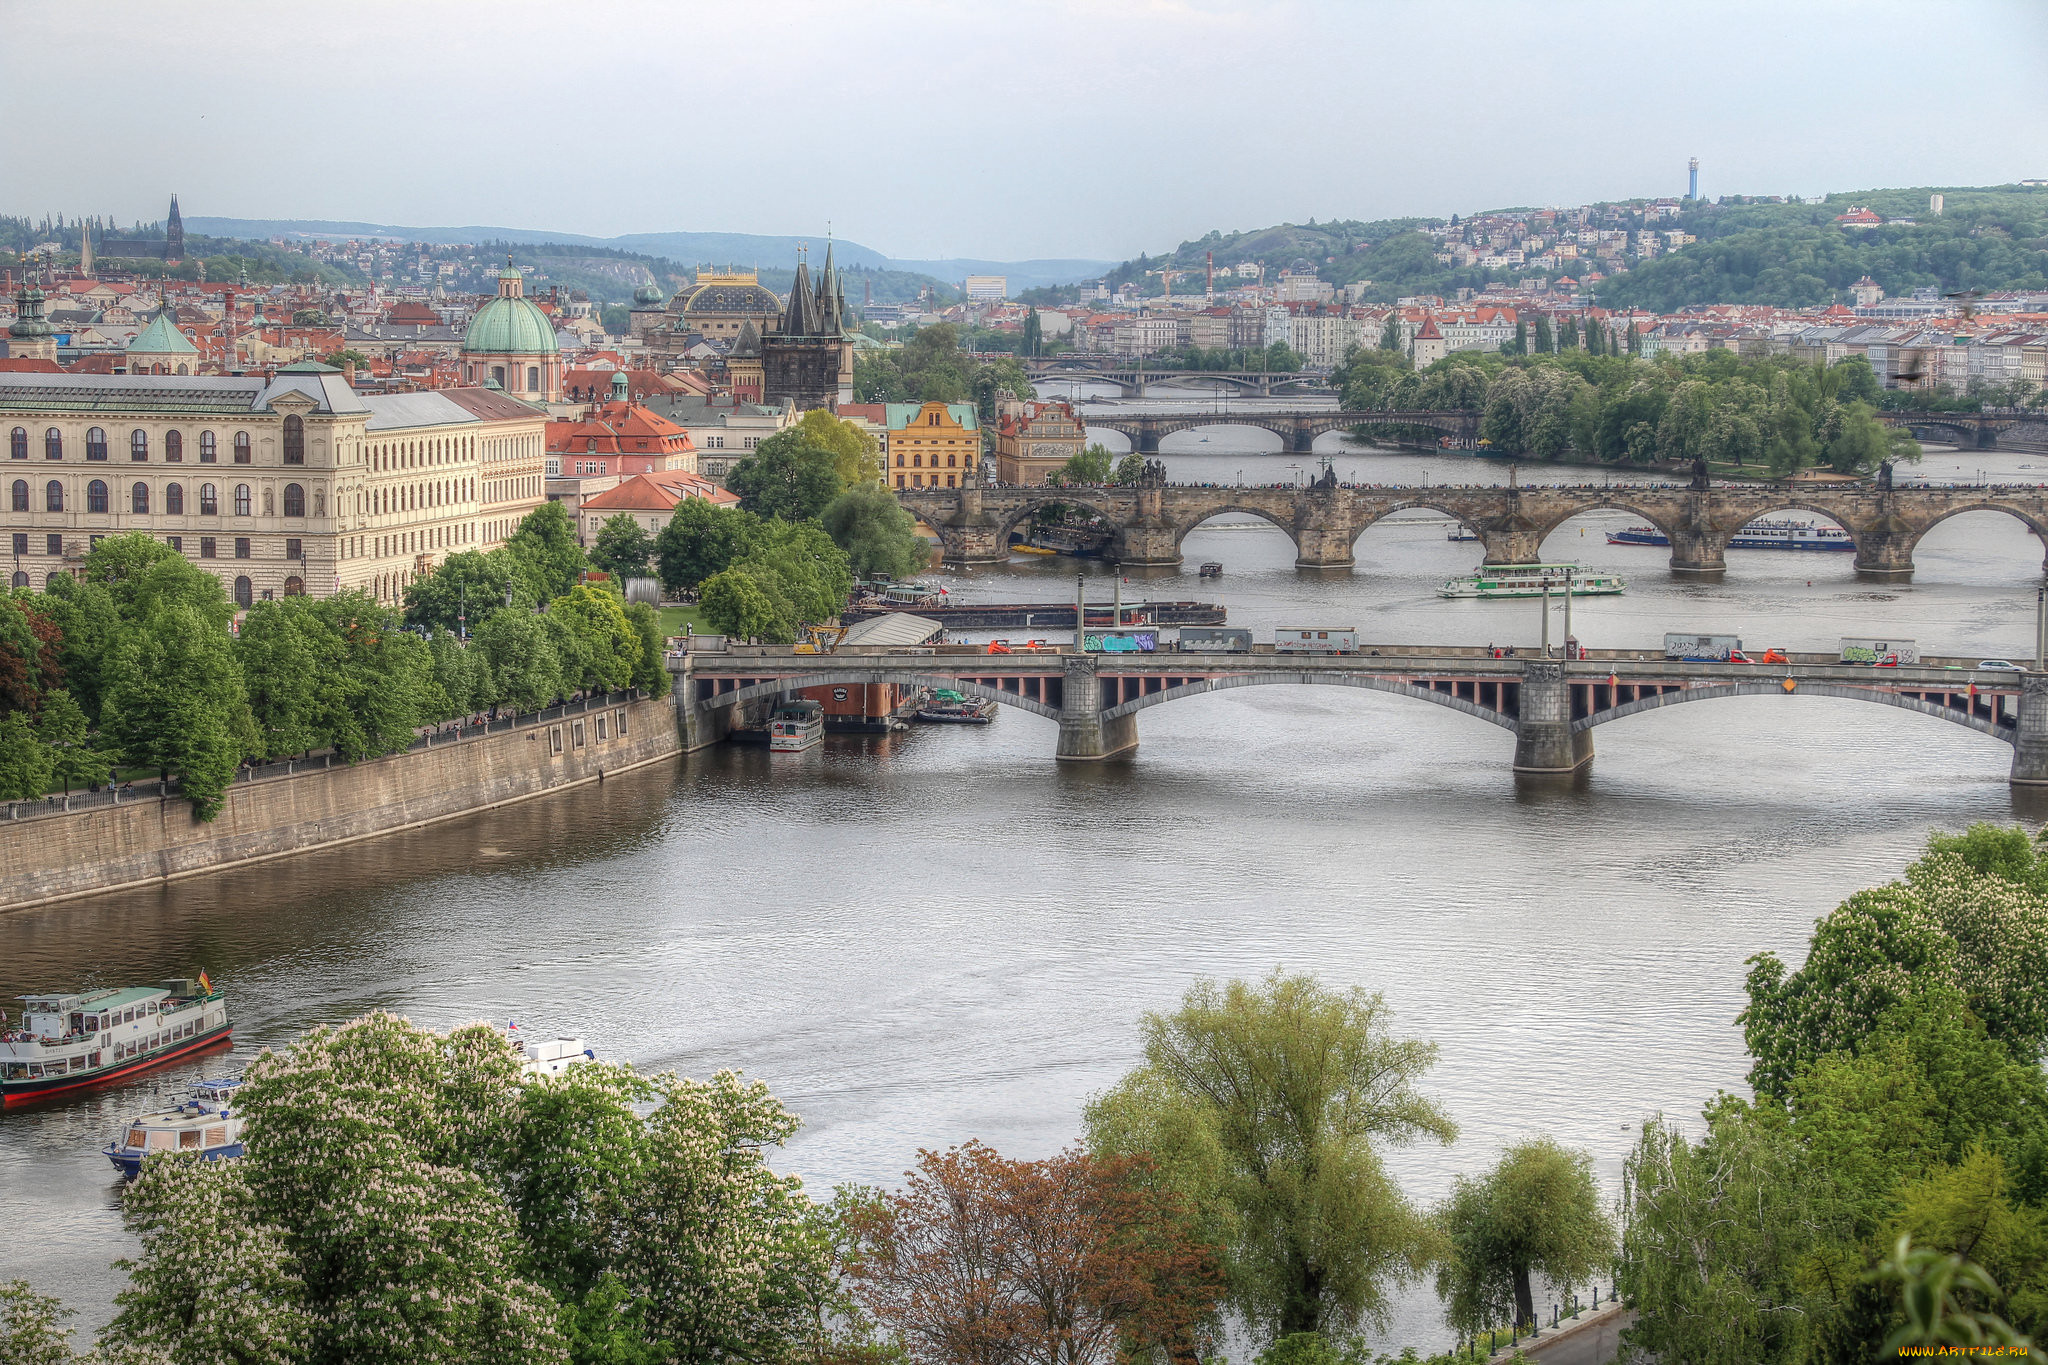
x,y
1530,580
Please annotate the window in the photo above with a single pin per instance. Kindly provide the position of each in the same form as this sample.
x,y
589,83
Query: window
x,y
174,499
532,377
621,715
208,451
241,547
245,593
96,496
95,444
932,420
21,542
138,444
176,543
174,447
53,444
20,579
53,544
138,499
294,500
209,500
498,375
295,586
206,547
294,548
17,444
241,447
21,495
242,501
952,462
294,439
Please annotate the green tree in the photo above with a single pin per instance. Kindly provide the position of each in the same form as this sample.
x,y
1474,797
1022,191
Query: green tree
x,y
525,671
701,539
341,359
623,547
610,645
735,603
1390,334
650,674
1091,465
1033,343
789,477
856,455
176,703
466,587
75,760
1863,442
26,762
1130,469
1544,342
1295,1087
1537,1212
286,654
878,535
545,553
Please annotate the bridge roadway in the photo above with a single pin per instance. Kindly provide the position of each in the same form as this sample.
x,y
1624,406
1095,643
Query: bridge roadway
x,y
1550,706
1151,520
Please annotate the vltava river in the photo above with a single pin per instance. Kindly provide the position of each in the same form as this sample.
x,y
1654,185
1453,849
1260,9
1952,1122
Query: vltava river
x,y
944,935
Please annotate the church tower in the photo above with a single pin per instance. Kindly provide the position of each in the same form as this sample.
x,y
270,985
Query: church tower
x,y
174,234
809,359
85,249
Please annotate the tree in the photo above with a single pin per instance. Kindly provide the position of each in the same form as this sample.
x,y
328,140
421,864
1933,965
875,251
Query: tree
x,y
1130,470
877,533
1087,466
1863,442
525,672
1296,1086
176,704
31,1327
1064,1261
284,654
466,587
341,359
609,650
789,477
623,547
26,763
1536,1212
545,553
1390,335
1544,344
701,539
856,455
1033,343
650,675
735,603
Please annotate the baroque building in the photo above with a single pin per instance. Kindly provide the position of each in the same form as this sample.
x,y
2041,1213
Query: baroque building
x,y
511,344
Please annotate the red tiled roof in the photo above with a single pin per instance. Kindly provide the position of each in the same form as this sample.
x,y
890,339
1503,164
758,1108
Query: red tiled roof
x,y
617,428
659,493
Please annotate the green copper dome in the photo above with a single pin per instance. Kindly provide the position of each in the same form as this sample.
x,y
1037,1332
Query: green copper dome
x,y
510,326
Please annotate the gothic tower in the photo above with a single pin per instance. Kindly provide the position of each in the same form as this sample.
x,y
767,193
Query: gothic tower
x,y
174,234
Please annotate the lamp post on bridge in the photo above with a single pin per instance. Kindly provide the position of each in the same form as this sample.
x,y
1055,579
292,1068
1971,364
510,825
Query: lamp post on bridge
x,y
2041,628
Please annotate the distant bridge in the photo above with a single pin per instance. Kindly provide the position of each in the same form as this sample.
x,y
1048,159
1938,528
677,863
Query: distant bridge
x,y
1296,429
1974,430
1131,377
1150,521
1550,706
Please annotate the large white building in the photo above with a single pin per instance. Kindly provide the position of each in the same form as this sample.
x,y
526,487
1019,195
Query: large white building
x,y
1322,339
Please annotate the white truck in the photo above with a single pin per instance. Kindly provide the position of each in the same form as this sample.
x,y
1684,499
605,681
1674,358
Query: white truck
x,y
1704,649
1880,653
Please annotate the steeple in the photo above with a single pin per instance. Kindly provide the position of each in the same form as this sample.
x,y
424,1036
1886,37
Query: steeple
x,y
511,284
85,249
830,321
174,234
800,319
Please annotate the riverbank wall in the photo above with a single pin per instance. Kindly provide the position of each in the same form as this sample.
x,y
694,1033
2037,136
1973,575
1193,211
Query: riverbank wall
x,y
51,853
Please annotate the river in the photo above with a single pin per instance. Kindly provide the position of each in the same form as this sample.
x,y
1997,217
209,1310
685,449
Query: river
x,y
943,935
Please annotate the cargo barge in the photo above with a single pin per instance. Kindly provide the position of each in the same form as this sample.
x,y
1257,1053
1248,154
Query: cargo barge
x,y
1048,615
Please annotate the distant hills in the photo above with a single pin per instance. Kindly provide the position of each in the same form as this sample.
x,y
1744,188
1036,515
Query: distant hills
x,y
685,248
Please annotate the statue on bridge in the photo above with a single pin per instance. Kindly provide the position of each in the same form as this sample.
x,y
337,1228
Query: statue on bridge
x,y
1152,474
1884,477
1700,482
1326,479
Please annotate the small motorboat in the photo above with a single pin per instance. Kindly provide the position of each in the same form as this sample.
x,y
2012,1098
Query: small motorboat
x,y
1212,570
203,1124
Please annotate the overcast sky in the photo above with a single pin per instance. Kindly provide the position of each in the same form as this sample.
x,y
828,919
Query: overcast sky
x,y
995,128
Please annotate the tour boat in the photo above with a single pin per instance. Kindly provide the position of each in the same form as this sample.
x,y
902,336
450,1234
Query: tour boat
x,y
1758,535
69,1042
796,726
553,1056
1530,580
1460,531
203,1124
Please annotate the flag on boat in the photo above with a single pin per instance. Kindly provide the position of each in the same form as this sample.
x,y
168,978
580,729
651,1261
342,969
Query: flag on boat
x,y
205,985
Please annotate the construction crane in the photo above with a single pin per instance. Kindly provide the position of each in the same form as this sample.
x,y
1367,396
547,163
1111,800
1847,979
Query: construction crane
x,y
1166,278
820,639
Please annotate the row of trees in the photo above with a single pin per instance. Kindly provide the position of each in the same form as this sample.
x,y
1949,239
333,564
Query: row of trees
x,y
135,662
1897,1135
1776,414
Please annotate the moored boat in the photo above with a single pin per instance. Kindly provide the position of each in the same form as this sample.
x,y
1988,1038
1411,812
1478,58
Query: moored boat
x,y
796,726
203,1124
947,707
1532,580
70,1042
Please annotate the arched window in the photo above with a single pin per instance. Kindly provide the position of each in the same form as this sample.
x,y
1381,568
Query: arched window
x,y
952,462
208,450
95,444
532,377
209,500
241,447
498,373
17,443
294,500
242,508
138,499
294,439
53,497
295,586
174,500
53,444
932,420
244,592
20,579
174,447
21,495
138,444
96,496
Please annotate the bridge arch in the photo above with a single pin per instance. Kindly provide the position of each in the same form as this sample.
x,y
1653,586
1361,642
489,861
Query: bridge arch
x,y
1008,518
1962,434
1618,501
1226,421
776,687
1247,508
1311,678
1444,506
1774,688
1978,505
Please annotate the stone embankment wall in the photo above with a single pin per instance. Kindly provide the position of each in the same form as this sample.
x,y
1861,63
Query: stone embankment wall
x,y
108,847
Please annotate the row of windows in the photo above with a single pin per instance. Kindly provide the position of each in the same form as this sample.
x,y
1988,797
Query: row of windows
x,y
245,591
96,498
917,481
174,444
917,461
209,547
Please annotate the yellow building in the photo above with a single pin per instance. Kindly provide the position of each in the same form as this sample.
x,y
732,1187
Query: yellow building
x,y
933,445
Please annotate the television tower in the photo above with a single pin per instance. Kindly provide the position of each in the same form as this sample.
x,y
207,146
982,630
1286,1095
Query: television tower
x,y
1692,190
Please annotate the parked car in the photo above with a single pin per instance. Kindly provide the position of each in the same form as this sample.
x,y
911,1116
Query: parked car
x,y
2000,666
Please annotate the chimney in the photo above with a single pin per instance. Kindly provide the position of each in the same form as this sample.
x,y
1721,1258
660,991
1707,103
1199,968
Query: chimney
x,y
348,373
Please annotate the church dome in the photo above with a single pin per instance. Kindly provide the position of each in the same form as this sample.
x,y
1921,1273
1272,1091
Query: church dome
x,y
510,326
648,295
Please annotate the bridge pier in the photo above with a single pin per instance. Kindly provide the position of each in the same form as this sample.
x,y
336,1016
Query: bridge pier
x,y
1302,439
1884,547
2030,735
1085,735
1544,739
699,726
1511,545
971,536
1324,547
1147,540
1695,551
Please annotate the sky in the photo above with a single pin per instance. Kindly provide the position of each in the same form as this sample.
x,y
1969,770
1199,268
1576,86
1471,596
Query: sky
x,y
1000,129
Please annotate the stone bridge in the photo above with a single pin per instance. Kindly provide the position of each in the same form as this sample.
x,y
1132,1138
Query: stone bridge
x,y
1297,430
1550,706
1975,430
1150,521
1131,379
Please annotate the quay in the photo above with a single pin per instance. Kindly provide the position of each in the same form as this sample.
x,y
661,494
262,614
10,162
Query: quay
x,y
1049,615
1550,705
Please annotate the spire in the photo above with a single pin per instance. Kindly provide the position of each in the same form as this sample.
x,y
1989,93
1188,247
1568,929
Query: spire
x,y
85,250
831,298
746,346
800,319
174,221
174,234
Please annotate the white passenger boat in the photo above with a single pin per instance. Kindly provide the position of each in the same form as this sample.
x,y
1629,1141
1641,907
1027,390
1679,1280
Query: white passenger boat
x,y
796,726
1530,580
69,1042
552,1057
204,1124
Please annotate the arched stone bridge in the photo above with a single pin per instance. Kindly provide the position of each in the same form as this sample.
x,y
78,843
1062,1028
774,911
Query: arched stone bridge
x,y
1131,380
1551,707
974,524
1297,430
1975,430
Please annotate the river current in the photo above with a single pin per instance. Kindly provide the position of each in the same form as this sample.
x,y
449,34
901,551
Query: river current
x,y
923,938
